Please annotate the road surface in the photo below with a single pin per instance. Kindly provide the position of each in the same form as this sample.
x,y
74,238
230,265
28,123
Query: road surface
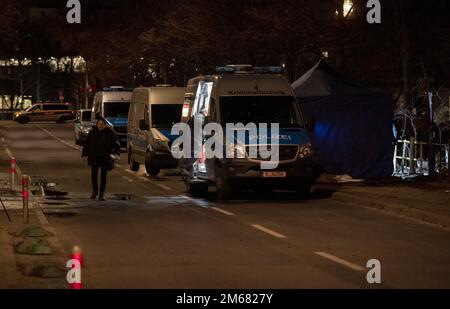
x,y
151,234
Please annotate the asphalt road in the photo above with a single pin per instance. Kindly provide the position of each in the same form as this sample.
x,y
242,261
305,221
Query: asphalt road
x,y
152,234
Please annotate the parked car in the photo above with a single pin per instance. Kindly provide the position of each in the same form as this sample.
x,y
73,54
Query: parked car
x,y
83,126
59,112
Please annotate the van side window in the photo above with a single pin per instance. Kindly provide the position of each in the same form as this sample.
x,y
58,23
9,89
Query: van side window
x,y
201,105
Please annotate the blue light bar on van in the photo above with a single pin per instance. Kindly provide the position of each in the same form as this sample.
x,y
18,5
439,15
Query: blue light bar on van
x,y
248,69
116,89
269,70
235,69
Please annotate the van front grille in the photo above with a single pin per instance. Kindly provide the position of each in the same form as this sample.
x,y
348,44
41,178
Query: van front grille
x,y
286,153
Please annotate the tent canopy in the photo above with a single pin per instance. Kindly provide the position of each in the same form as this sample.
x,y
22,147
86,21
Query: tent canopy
x,y
353,133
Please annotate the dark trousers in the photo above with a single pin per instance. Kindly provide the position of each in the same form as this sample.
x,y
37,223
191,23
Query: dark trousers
x,y
94,176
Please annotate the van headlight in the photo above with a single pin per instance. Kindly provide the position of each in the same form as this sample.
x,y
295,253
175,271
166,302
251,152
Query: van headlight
x,y
85,130
160,145
235,151
306,151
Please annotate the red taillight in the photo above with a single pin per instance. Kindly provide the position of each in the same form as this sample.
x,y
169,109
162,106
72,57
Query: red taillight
x,y
203,158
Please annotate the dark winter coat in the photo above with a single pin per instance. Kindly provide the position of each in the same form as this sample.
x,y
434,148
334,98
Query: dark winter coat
x,y
100,145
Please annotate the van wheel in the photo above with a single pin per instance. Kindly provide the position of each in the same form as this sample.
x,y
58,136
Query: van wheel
x,y
222,185
150,167
61,120
24,120
197,190
303,190
134,166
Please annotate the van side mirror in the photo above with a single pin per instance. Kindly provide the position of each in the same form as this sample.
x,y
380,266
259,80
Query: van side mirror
x,y
310,124
142,125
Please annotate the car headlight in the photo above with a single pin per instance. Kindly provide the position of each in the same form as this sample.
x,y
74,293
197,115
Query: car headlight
x,y
235,151
160,145
306,151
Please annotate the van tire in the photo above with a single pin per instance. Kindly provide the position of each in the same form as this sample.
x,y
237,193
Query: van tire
x,y
197,190
134,166
23,120
61,119
303,190
223,187
150,167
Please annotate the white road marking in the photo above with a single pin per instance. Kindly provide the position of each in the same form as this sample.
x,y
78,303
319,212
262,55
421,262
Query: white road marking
x,y
196,202
340,261
128,171
59,139
164,187
223,211
127,178
9,153
268,231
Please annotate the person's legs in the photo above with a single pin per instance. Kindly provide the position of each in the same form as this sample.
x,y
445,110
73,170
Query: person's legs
x,y
94,176
103,174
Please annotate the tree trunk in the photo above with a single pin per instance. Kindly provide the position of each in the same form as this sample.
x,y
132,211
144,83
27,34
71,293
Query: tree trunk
x,y
405,55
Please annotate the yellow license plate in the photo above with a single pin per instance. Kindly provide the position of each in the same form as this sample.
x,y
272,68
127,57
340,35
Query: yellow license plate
x,y
274,174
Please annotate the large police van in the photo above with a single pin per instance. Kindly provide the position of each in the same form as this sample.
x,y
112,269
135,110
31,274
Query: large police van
x,y
152,114
243,94
113,104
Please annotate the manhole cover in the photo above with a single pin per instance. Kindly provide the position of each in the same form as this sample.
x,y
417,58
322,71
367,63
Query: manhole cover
x,y
55,193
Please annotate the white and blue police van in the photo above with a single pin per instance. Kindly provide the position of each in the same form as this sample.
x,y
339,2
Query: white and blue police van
x,y
242,94
113,104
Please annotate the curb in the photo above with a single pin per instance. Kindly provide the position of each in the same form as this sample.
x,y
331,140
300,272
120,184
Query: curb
x,y
393,208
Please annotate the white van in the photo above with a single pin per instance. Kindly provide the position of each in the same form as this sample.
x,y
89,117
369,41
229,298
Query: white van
x,y
153,112
113,104
245,94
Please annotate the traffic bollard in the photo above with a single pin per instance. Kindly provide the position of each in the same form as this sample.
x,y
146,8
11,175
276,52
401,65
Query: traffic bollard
x,y
77,254
13,174
25,198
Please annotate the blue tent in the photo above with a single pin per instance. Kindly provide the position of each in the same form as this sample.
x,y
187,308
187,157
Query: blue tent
x,y
353,134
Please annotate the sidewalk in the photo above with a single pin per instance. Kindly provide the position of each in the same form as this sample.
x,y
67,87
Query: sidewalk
x,y
428,202
31,256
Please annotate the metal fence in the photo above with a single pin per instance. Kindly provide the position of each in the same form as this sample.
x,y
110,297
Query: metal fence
x,y
411,158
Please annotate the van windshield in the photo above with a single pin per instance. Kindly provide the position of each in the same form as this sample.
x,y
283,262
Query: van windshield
x,y
86,116
165,115
116,109
260,109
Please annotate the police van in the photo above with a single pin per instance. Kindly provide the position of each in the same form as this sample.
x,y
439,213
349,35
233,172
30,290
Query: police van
x,y
112,104
245,94
152,114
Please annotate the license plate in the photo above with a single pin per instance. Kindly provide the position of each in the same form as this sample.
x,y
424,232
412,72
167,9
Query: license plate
x,y
274,174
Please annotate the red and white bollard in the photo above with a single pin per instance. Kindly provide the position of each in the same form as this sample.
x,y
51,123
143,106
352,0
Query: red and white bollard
x,y
77,263
13,174
25,198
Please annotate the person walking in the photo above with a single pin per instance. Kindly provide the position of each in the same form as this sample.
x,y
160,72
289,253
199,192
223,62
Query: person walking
x,y
101,144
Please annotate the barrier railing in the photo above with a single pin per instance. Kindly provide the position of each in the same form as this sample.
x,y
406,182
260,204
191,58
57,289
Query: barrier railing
x,y
412,158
